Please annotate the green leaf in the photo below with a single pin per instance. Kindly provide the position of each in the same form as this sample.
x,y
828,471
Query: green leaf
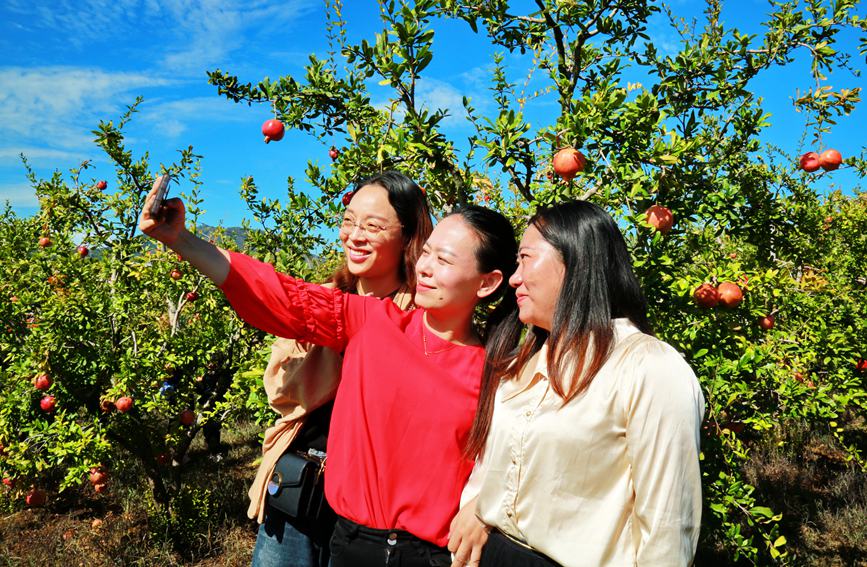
x,y
780,541
763,511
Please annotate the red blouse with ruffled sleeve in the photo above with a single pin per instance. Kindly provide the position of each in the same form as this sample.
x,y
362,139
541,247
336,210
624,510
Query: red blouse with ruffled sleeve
x,y
401,416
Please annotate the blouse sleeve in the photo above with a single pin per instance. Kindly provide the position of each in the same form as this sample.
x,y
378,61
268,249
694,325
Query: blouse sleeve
x,y
664,408
288,307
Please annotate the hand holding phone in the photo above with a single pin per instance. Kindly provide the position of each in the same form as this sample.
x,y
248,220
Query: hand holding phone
x,y
160,196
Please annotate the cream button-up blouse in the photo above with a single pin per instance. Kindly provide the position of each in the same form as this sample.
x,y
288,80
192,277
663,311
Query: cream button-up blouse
x,y
611,478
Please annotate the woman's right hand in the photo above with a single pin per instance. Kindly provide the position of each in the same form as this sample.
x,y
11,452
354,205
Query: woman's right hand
x,y
467,536
168,224
168,227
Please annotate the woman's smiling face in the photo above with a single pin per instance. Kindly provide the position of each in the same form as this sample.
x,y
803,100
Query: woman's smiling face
x,y
447,271
371,255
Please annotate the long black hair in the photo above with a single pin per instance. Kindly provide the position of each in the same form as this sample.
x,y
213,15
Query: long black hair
x,y
497,250
598,287
410,204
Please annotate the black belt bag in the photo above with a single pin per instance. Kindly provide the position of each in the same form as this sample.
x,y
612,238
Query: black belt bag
x,y
297,486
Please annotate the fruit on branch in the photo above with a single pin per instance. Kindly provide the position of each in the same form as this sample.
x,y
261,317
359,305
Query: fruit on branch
x,y
800,377
273,129
192,296
35,498
44,242
346,198
187,417
660,218
47,404
730,295
176,274
97,476
56,280
706,296
830,160
568,162
810,162
123,404
767,322
333,153
42,382
82,251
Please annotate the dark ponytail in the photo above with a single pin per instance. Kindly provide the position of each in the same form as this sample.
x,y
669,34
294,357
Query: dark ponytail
x,y
497,250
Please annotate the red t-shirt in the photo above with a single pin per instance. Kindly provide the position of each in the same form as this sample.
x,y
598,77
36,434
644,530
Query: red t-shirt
x,y
401,417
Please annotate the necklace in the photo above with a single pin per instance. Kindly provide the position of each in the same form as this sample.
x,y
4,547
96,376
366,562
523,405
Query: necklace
x,y
424,343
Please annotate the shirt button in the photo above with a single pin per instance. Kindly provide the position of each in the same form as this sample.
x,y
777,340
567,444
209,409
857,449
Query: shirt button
x,y
392,538
509,513
529,413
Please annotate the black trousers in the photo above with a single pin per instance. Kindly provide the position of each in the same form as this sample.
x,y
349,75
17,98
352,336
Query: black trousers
x,y
353,545
500,551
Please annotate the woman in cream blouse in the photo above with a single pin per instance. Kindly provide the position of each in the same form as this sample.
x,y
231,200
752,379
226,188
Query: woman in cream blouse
x,y
588,433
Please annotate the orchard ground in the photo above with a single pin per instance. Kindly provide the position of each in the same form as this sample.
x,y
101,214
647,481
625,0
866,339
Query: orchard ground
x,y
824,501
118,528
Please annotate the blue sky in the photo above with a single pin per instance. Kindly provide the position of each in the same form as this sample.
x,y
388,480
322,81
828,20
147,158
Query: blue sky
x,y
66,64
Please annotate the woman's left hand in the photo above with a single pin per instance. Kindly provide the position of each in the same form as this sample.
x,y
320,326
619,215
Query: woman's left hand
x,y
467,536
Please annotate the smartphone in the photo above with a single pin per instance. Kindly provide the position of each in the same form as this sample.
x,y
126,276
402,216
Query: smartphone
x,y
160,197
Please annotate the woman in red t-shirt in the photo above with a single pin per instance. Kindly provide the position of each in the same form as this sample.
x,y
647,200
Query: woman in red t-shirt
x,y
410,380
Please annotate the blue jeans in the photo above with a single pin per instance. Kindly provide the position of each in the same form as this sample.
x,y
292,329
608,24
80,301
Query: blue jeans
x,y
280,544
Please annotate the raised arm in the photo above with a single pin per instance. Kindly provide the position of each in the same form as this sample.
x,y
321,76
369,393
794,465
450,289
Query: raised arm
x,y
270,301
169,228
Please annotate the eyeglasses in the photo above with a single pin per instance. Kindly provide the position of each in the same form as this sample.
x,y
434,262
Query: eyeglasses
x,y
348,226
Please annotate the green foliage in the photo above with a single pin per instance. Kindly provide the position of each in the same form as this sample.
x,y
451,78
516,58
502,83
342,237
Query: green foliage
x,y
688,137
105,325
185,523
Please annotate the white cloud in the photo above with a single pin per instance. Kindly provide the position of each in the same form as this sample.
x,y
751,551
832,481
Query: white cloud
x,y
182,36
434,94
58,106
37,156
167,41
213,29
171,118
82,21
478,78
19,195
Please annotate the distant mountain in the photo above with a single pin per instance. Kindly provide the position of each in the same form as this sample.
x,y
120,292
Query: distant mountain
x,y
236,233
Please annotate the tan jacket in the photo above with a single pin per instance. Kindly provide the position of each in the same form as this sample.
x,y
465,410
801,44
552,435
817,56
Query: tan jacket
x,y
298,379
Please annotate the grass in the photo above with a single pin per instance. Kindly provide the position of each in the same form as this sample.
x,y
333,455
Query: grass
x,y
823,497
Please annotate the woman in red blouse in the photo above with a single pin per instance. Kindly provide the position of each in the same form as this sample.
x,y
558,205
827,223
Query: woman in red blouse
x,y
301,379
410,380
